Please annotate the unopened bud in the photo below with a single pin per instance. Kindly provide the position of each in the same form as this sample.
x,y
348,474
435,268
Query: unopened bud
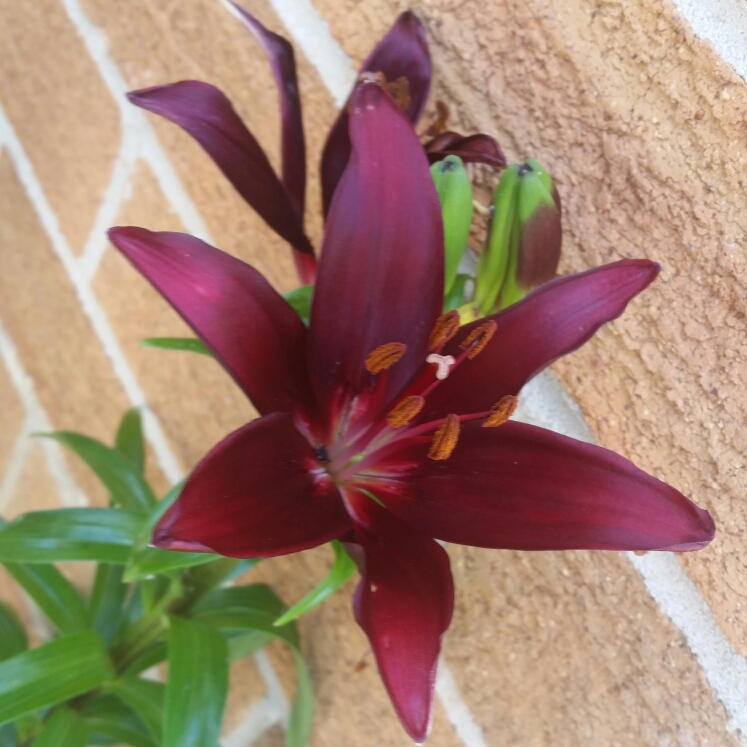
x,y
455,195
524,243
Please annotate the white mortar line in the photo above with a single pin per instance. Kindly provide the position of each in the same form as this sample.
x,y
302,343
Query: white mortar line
x,y
457,711
722,23
275,693
37,420
117,191
16,461
546,404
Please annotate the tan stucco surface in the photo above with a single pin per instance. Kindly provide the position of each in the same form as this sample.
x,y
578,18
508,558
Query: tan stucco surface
x,y
643,128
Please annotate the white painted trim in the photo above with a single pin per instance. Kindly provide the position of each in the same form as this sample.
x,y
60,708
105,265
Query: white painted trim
x,y
15,464
722,23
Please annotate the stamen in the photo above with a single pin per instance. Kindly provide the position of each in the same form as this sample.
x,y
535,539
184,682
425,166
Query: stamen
x,y
444,329
501,411
478,338
384,356
404,411
445,439
444,362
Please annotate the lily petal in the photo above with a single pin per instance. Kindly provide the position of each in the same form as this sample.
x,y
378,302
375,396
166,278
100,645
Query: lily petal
x,y
479,148
520,487
403,52
555,319
206,113
282,60
251,330
255,495
404,604
381,273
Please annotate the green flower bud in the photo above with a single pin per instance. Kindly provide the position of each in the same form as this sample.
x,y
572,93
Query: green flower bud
x,y
455,194
524,243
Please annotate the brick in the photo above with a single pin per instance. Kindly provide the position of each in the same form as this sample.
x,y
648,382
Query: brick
x,y
568,649
13,416
56,343
61,110
199,39
195,400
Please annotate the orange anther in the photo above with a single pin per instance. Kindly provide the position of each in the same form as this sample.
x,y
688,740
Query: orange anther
x,y
445,438
478,338
404,411
501,411
384,356
444,329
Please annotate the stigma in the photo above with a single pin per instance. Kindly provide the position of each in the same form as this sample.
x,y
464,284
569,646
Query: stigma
x,y
444,363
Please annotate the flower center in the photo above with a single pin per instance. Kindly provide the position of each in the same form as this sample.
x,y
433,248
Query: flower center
x,y
354,455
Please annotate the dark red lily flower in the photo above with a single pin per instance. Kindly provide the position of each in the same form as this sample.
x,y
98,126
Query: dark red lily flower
x,y
206,113
384,424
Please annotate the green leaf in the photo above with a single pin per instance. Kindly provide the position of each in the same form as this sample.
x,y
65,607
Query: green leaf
x,y
64,728
129,441
8,735
107,598
145,561
241,644
201,579
150,560
455,297
13,638
197,686
190,344
302,710
156,654
122,479
103,534
300,300
254,607
146,700
113,722
55,596
342,569
54,672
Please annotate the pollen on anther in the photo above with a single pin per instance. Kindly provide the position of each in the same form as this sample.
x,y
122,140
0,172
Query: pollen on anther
x,y
478,338
501,411
445,439
404,411
444,329
384,356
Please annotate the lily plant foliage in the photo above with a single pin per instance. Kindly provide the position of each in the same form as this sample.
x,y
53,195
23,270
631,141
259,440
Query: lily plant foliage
x,y
385,424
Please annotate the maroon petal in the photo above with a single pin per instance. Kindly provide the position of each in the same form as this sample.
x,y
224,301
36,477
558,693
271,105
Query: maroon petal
x,y
404,604
403,52
250,329
478,148
280,54
555,319
206,113
381,273
520,487
255,495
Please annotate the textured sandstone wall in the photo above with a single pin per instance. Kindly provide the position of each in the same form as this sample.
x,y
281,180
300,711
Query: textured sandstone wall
x,y
643,127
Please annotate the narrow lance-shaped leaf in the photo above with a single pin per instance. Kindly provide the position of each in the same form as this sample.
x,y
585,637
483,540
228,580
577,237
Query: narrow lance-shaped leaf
x,y
57,598
102,534
302,710
120,476
197,686
13,638
188,344
107,597
110,721
52,673
65,728
342,569
146,700
129,441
